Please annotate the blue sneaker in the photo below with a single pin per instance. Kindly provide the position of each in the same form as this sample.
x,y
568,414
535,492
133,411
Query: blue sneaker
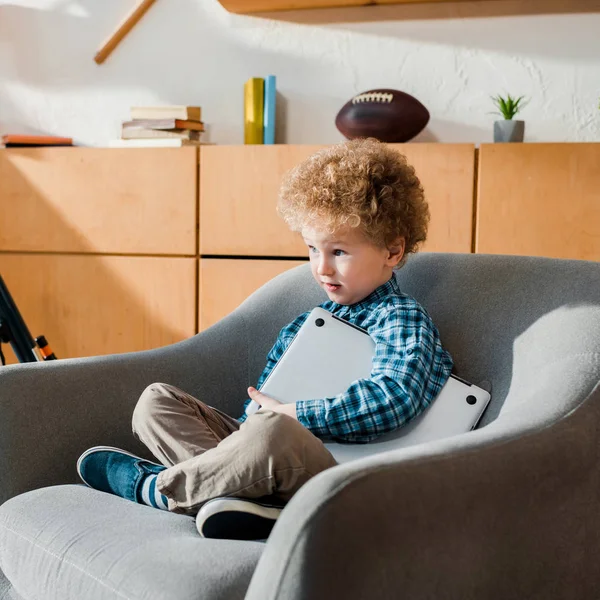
x,y
115,471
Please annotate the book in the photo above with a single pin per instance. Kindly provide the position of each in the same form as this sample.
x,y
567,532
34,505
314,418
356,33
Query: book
x,y
165,124
254,110
16,140
191,113
135,133
154,143
269,110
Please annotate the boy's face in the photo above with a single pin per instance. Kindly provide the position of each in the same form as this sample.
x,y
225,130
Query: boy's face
x,y
347,265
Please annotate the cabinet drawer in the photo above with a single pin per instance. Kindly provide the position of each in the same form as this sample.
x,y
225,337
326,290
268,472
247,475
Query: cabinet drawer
x,y
226,283
239,186
539,200
115,200
91,305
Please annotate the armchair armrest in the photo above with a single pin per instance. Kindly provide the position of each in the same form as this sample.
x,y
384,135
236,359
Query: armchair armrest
x,y
51,412
502,512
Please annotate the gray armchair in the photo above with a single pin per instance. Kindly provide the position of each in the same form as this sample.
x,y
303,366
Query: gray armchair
x,y
507,511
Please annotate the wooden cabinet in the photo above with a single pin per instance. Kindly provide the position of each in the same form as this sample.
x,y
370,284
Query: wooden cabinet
x,y
118,250
239,187
243,241
95,304
226,283
539,200
104,200
98,246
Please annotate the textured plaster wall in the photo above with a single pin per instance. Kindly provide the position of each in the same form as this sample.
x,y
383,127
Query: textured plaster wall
x,y
194,52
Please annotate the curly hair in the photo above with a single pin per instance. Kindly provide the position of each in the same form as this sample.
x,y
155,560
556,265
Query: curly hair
x,y
360,183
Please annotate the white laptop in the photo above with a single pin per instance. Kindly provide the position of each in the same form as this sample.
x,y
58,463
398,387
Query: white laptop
x,y
328,354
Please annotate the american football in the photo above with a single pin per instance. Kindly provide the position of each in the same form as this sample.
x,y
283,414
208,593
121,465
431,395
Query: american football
x,y
387,115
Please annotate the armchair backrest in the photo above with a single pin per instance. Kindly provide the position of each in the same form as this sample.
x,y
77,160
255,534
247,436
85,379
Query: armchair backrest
x,y
529,326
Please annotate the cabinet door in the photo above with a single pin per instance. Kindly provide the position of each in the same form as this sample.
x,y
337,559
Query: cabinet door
x,y
238,195
117,200
539,200
239,187
226,283
92,305
447,173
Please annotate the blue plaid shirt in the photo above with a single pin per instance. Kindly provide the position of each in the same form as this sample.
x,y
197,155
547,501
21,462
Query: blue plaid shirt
x,y
410,367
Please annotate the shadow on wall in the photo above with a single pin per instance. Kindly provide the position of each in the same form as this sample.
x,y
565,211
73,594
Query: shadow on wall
x,y
281,119
438,130
57,31
85,304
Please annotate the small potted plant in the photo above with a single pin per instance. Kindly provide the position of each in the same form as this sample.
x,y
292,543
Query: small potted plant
x,y
508,130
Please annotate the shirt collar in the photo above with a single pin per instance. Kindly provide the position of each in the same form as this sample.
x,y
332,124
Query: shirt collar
x,y
390,288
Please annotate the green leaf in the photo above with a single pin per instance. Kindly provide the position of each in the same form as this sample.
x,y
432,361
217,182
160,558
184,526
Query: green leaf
x,y
508,106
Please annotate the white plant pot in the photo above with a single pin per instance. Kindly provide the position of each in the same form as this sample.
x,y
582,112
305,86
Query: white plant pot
x,y
509,131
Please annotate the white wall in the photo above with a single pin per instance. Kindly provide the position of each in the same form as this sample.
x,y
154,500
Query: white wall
x,y
194,52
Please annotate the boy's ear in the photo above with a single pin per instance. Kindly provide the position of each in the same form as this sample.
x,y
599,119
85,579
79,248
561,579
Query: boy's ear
x,y
396,251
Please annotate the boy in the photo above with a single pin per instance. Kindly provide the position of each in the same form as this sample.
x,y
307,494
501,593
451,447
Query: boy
x,y
361,210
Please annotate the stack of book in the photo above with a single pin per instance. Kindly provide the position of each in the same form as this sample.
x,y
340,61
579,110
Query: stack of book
x,y
259,110
161,126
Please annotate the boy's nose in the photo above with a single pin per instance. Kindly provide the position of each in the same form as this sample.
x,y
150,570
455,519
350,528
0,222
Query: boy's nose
x,y
324,267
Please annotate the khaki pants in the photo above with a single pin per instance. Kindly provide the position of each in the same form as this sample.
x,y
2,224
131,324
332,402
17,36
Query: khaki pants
x,y
210,454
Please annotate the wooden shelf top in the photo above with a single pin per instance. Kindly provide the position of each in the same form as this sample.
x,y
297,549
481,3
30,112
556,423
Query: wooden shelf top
x,y
258,6
355,11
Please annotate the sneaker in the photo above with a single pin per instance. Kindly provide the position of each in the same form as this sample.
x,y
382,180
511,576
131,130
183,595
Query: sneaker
x,y
236,519
115,471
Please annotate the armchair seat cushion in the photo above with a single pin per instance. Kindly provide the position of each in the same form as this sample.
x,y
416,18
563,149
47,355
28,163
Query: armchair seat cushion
x,y
70,541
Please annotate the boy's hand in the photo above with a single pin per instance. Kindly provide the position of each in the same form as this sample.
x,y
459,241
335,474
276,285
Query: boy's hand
x,y
269,403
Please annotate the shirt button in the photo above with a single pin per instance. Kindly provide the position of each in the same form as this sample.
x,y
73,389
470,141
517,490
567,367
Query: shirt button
x,y
409,351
